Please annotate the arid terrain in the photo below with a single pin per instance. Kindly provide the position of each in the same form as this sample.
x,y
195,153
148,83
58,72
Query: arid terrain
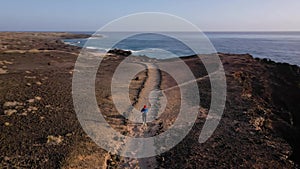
x,y
39,127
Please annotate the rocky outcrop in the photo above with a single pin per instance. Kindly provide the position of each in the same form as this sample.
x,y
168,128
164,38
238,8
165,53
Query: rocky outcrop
x,y
260,124
39,128
120,52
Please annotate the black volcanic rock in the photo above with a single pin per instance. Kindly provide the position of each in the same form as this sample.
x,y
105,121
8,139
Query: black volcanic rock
x,y
260,127
120,52
260,124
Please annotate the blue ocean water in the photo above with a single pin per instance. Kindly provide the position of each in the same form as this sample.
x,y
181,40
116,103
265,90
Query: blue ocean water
x,y
277,46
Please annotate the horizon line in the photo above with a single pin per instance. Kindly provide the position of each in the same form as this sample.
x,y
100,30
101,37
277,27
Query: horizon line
x,y
138,31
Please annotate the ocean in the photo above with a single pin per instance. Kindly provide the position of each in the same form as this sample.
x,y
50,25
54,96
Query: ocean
x,y
277,46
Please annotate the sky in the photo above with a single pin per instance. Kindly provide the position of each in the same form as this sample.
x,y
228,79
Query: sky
x,y
208,15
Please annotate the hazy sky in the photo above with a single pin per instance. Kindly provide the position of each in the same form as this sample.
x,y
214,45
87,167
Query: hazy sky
x,y
208,15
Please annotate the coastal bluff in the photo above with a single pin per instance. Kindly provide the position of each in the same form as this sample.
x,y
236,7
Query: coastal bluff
x,y
260,127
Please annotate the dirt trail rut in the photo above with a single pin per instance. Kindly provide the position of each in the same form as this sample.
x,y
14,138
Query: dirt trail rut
x,y
150,96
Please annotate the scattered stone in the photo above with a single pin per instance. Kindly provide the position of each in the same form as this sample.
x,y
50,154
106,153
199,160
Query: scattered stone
x,y
38,83
45,78
24,113
4,67
42,118
38,98
30,77
6,158
268,124
116,138
7,62
247,95
69,134
28,72
9,112
109,98
7,124
19,107
34,108
48,106
108,161
53,140
30,101
12,104
31,108
2,71
28,84
258,123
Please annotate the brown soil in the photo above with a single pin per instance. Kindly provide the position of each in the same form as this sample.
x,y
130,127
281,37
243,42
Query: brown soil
x,y
258,128
39,128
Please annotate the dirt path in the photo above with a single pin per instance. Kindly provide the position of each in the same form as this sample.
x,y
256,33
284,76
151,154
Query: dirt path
x,y
150,97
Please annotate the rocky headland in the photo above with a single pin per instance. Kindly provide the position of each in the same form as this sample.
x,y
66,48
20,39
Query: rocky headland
x,y
39,128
